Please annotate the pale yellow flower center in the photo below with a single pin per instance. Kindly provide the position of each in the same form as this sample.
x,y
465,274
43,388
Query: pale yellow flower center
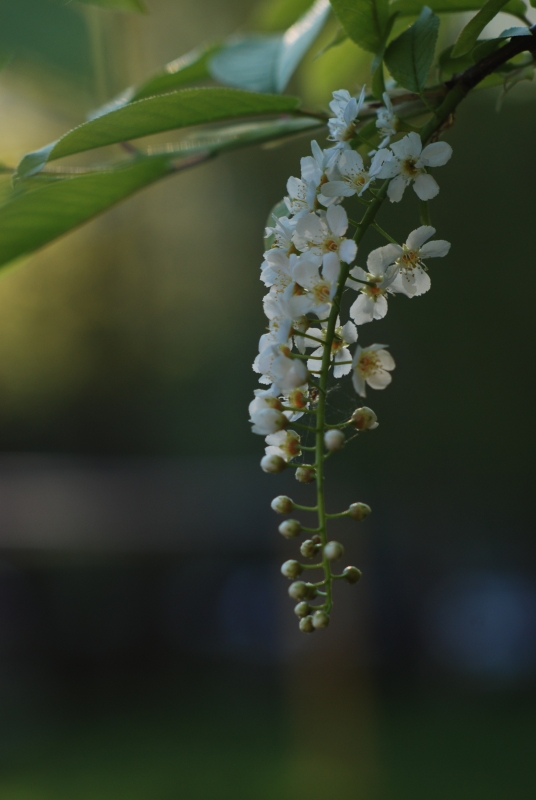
x,y
369,363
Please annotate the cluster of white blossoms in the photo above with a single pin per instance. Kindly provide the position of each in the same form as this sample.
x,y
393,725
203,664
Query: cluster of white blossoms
x,y
308,269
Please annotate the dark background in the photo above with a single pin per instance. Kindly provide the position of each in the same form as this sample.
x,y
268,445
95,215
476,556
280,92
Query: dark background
x,y
148,649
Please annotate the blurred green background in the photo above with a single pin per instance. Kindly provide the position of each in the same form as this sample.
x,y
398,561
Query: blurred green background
x,y
173,668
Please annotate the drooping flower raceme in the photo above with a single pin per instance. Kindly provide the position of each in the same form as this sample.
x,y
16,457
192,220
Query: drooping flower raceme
x,y
316,299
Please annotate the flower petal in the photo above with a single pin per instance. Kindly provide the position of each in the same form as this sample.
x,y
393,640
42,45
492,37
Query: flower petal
x,y
337,219
379,379
362,310
396,188
347,248
435,154
419,236
439,247
337,189
425,187
379,259
386,359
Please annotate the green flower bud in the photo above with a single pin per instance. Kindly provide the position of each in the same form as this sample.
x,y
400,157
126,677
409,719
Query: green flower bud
x,y
298,590
351,574
311,591
309,548
359,511
273,464
334,440
290,528
317,539
364,419
320,619
306,474
282,504
306,625
333,551
291,569
302,609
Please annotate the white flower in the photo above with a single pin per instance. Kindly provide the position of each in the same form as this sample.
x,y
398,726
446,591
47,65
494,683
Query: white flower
x,y
268,420
285,444
386,122
301,196
350,176
372,300
316,169
346,108
276,365
408,164
278,333
412,278
371,365
344,335
282,232
320,286
276,269
323,234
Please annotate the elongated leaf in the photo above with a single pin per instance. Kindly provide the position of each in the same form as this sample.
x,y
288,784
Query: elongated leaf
x,y
187,69
51,204
468,36
37,217
364,20
297,40
156,114
118,5
265,63
409,56
413,7
248,62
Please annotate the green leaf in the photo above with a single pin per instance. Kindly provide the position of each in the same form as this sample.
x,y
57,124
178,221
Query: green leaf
x,y
187,69
412,7
266,63
156,114
248,62
37,217
364,20
118,5
468,36
42,208
409,56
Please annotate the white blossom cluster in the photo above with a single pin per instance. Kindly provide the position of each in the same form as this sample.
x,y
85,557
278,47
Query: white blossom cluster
x,y
302,268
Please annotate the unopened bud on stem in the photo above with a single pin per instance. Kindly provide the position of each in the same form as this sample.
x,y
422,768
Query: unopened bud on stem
x,y
273,464
302,609
306,474
282,504
333,551
306,625
320,619
351,574
359,511
309,548
291,569
334,440
364,419
290,528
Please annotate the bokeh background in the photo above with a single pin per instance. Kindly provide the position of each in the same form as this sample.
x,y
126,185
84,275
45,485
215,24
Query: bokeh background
x,y
148,649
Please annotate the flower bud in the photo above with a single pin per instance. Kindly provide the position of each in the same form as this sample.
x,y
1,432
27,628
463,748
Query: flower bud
x,y
302,609
273,464
333,551
351,574
320,619
290,528
359,511
317,539
297,398
306,625
311,591
298,590
306,474
291,569
364,419
309,548
334,439
268,420
282,504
